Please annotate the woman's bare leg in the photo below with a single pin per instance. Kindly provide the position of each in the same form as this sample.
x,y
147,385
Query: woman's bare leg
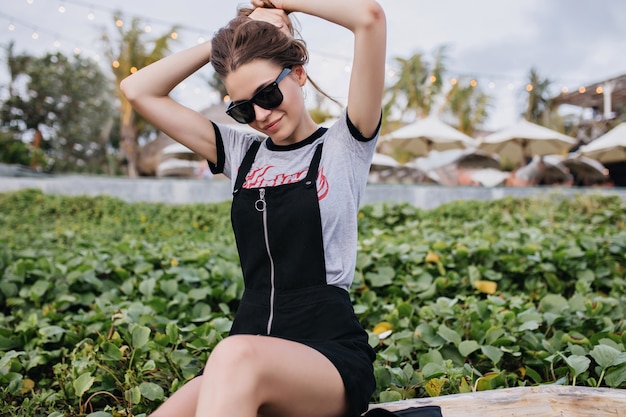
x,y
182,403
247,376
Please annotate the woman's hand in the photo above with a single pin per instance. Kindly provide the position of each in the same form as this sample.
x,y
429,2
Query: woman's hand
x,y
269,12
270,4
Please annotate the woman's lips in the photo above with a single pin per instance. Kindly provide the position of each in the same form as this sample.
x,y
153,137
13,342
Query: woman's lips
x,y
272,125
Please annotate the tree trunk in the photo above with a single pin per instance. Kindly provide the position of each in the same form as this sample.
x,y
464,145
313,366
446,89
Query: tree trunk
x,y
128,145
35,162
540,401
129,153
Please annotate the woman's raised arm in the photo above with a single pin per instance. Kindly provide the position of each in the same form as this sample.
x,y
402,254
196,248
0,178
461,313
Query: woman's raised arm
x,y
366,19
148,92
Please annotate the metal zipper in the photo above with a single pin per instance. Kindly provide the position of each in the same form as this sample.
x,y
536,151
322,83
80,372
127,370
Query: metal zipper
x,y
261,206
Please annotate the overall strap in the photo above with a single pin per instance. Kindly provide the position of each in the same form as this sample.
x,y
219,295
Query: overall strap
x,y
246,164
311,176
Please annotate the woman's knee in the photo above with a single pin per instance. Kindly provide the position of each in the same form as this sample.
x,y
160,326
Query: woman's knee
x,y
233,355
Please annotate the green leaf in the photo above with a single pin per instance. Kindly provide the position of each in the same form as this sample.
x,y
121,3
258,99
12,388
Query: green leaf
x,y
171,330
429,336
432,356
142,267
5,361
529,325
578,364
146,287
405,310
553,303
151,391
83,383
97,414
222,324
534,375
111,352
493,353
39,289
433,370
133,395
604,355
390,396
449,335
616,377
382,277
169,287
467,347
140,336
488,381
51,334
7,343
474,274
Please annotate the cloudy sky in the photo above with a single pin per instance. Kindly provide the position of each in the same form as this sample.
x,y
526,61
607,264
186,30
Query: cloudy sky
x,y
571,42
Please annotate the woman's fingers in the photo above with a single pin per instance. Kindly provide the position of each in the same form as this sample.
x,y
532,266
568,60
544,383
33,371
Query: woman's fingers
x,y
276,17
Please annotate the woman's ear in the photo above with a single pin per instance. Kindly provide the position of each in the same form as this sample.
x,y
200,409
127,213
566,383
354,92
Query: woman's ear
x,y
300,74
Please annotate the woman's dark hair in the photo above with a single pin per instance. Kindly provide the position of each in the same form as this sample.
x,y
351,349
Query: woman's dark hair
x,y
244,40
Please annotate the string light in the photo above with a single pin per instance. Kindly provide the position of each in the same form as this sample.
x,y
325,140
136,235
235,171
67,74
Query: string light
x,y
92,8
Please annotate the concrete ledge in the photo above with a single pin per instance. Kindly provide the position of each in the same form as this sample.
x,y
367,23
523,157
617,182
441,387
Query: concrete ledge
x,y
185,191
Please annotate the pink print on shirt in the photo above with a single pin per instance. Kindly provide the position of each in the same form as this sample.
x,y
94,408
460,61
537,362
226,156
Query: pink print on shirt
x,y
259,177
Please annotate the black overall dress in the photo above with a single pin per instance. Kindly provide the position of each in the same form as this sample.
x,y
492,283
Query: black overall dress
x,y
279,238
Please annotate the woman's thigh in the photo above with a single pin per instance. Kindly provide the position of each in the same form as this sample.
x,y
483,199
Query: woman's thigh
x,y
289,378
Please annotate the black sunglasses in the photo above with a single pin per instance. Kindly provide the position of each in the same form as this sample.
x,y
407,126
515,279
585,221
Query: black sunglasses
x,y
268,97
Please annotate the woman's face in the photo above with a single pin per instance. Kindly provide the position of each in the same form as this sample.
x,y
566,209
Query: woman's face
x,y
282,123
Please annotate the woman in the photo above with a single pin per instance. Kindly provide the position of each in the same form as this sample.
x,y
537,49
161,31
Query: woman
x,y
296,347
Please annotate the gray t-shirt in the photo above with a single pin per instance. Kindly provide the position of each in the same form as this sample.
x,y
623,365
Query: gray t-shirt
x,y
343,170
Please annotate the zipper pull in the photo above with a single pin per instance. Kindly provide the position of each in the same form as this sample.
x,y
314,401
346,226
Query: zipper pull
x,y
260,203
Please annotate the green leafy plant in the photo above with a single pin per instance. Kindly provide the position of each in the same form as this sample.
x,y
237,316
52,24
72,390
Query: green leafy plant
x,y
107,308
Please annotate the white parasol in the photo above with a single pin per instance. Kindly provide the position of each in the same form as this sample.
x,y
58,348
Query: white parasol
x,y
420,137
523,140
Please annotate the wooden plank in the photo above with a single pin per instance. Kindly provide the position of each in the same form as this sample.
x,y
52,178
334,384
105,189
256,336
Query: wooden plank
x,y
540,401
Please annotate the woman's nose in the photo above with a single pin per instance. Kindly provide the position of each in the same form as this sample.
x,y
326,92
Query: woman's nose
x,y
260,113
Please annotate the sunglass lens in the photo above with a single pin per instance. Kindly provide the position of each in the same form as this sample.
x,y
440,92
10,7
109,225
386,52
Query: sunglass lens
x,y
242,113
270,97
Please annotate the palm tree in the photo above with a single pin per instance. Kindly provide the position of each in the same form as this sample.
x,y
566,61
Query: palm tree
x,y
540,108
468,104
128,54
418,85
